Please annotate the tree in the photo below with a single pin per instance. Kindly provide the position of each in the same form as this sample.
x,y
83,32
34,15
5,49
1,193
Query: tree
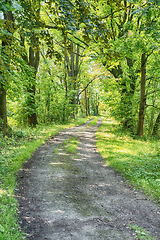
x,y
142,103
29,31
6,46
134,32
33,61
149,21
116,53
117,34
72,66
156,125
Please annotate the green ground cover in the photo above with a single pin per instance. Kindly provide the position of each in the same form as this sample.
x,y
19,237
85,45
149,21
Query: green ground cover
x,y
71,145
137,159
94,121
14,151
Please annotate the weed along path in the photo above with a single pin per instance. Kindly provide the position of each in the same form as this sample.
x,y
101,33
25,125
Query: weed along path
x,y
67,192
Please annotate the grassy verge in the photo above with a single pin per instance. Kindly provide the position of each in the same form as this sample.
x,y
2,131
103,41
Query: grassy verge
x,y
71,145
14,152
137,159
94,121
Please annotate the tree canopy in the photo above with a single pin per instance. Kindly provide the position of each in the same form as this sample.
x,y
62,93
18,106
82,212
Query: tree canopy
x,y
61,59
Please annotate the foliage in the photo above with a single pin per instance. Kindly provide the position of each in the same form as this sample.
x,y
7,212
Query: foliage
x,y
137,159
141,233
94,121
134,32
115,34
51,66
71,145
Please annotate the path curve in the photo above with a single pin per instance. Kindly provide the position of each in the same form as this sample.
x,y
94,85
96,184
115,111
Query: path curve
x,y
77,197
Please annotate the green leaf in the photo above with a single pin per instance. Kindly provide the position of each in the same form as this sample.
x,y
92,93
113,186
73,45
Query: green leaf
x,y
3,6
1,228
16,6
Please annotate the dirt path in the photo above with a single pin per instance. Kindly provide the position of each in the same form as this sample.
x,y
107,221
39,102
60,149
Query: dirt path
x,y
76,197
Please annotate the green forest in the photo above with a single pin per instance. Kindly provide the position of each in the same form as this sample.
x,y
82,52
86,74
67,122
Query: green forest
x,y
66,59
63,62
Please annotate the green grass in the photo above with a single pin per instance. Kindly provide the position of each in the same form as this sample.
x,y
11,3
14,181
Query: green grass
x,y
141,233
71,144
94,121
14,152
137,159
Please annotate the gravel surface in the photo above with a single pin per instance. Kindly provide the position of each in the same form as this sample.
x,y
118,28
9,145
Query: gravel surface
x,y
77,197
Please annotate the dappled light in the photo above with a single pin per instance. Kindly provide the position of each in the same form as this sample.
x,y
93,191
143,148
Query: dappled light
x,y
2,192
79,97
62,153
56,163
133,158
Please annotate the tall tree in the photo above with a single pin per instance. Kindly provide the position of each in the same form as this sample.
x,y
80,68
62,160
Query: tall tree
x,y
7,38
72,65
29,33
119,22
133,29
142,103
156,125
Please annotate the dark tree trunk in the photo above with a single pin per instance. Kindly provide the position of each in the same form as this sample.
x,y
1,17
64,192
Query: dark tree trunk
x,y
34,62
5,53
86,102
97,105
156,126
32,117
142,103
65,115
3,110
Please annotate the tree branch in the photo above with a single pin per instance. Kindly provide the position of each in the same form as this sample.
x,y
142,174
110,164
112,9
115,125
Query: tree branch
x,y
150,105
110,14
152,92
89,84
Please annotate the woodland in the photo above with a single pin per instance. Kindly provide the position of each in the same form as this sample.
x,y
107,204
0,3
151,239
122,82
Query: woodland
x,y
63,59
64,62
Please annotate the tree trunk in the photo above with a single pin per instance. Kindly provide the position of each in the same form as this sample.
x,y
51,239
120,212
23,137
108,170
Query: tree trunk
x,y
3,110
34,62
142,103
86,102
127,96
5,52
156,126
72,66
65,115
97,105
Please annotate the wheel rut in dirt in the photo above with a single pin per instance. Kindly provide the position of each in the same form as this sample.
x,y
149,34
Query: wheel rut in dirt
x,y
76,196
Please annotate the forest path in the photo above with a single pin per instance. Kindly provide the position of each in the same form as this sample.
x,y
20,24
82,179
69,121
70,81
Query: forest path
x,y
77,197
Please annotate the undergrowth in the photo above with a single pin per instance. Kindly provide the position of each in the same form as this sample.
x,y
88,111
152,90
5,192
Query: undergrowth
x,y
71,144
14,151
137,159
141,233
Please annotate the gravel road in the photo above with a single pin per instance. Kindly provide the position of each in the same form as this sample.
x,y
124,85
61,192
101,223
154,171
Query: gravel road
x,y
75,196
